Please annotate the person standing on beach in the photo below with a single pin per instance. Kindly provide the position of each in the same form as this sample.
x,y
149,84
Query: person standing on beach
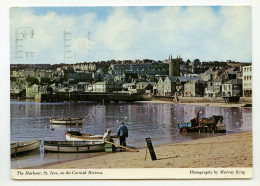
x,y
197,118
122,131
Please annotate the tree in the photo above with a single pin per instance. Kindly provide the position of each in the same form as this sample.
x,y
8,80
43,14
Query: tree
x,y
197,62
106,68
32,80
152,78
46,80
188,62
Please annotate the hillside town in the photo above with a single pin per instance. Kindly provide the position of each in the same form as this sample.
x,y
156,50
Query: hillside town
x,y
172,77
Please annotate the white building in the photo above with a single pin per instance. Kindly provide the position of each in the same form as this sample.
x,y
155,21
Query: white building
x,y
247,81
100,87
106,87
16,87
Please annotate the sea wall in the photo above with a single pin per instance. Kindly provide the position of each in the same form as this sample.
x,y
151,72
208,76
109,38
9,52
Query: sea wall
x,y
90,97
131,98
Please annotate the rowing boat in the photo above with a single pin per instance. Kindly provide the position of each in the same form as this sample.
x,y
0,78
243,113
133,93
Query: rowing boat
x,y
66,121
24,146
78,136
72,146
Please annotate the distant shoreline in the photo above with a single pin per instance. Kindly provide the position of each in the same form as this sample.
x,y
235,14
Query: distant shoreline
x,y
229,105
205,104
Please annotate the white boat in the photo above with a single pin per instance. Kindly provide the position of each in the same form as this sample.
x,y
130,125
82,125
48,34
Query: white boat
x,y
72,146
66,121
78,136
24,146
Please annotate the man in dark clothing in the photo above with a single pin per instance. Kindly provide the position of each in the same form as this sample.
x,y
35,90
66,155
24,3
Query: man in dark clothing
x,y
197,118
122,131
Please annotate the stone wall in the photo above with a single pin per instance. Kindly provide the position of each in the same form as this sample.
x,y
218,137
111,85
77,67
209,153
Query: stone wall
x,y
89,97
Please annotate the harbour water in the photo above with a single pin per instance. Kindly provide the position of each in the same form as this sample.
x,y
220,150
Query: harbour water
x,y
30,120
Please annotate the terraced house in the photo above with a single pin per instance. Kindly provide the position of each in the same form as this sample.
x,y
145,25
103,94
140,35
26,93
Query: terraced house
x,y
247,81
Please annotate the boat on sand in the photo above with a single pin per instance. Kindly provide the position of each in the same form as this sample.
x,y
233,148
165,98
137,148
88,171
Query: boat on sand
x,y
78,136
73,146
24,146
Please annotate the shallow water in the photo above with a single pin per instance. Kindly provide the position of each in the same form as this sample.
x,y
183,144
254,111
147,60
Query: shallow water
x,y
30,120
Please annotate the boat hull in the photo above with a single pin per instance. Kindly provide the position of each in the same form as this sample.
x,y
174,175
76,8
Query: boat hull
x,y
66,121
77,136
24,146
71,146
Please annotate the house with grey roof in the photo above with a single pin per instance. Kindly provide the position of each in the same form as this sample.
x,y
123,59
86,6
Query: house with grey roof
x,y
106,87
194,88
207,76
145,87
128,86
170,85
160,87
214,88
180,81
232,88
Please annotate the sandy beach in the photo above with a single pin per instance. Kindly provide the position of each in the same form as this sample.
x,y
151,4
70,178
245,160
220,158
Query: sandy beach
x,y
234,150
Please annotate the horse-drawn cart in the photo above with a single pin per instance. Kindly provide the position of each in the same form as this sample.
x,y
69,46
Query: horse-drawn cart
x,y
212,124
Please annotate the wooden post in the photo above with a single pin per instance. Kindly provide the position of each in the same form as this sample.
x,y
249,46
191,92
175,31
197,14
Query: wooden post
x,y
150,146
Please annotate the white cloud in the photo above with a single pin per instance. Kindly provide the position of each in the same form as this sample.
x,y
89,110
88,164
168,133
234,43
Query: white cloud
x,y
138,33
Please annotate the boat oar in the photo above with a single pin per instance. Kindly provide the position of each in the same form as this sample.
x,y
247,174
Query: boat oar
x,y
121,146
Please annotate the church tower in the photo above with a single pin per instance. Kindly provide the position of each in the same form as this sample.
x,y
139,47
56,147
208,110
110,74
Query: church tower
x,y
170,66
174,66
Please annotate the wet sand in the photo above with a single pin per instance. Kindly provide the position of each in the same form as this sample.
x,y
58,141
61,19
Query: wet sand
x,y
234,150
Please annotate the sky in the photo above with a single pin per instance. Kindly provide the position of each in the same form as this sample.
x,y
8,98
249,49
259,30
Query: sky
x,y
85,34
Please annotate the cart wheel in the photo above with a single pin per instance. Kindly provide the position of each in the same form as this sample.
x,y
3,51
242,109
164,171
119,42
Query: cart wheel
x,y
183,130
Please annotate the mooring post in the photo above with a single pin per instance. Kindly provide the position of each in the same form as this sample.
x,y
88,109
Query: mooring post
x,y
151,150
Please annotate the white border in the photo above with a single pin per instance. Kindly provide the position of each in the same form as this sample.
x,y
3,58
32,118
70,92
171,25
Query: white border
x,y
134,173
4,82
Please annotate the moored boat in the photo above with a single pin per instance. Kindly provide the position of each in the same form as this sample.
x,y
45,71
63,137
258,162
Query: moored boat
x,y
66,121
24,146
72,146
78,136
